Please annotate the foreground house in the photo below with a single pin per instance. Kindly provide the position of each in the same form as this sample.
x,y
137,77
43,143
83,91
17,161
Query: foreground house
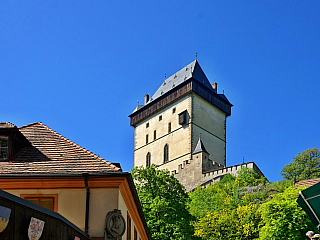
x,y
40,165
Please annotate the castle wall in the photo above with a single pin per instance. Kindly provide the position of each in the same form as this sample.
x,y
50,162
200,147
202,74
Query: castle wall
x,y
178,140
210,122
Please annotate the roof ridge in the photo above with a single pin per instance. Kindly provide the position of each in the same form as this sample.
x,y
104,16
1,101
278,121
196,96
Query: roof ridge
x,y
30,124
71,142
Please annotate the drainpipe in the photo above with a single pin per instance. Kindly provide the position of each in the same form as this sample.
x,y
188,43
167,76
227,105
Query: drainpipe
x,y
86,177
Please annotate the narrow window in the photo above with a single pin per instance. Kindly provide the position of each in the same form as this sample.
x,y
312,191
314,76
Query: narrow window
x,y
160,117
135,234
169,127
154,135
173,110
147,139
166,153
128,227
147,125
148,159
4,144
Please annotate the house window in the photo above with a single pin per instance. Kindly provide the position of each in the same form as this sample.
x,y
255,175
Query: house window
x,y
148,159
160,117
128,227
4,145
173,110
135,234
49,201
169,127
147,139
154,135
147,125
166,153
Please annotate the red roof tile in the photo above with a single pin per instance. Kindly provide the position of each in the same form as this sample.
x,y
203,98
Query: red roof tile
x,y
52,153
308,182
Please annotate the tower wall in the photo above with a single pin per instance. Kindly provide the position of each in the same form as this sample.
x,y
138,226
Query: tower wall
x,y
178,140
210,122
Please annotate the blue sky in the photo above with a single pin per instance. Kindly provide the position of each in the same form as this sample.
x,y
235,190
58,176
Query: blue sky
x,y
80,67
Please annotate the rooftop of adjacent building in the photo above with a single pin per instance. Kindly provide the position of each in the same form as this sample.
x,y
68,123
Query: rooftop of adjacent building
x,y
41,150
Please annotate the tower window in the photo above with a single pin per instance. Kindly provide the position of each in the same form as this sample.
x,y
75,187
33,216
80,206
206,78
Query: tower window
x,y
166,153
169,127
147,125
173,110
160,117
4,145
147,139
183,117
154,135
148,159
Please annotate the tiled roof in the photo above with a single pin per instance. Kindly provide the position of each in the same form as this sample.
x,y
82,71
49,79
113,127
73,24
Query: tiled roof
x,y
200,147
6,125
52,153
308,182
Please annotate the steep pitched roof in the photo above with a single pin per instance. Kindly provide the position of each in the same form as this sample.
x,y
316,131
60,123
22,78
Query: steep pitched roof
x,y
200,147
52,153
192,70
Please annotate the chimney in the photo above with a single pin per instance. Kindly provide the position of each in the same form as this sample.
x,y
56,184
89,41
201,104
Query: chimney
x,y
215,87
146,99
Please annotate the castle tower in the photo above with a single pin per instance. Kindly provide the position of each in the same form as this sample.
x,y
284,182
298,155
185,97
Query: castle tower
x,y
168,125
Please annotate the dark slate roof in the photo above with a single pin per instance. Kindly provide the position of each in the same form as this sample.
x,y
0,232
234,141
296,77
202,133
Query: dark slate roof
x,y
200,147
52,153
193,70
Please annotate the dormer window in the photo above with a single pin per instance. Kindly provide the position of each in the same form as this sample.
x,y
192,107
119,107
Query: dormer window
x,y
4,148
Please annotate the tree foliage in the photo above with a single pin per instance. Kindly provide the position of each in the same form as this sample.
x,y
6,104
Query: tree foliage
x,y
164,203
282,218
305,165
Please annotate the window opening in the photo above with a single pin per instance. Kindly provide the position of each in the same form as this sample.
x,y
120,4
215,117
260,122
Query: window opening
x,y
128,227
160,117
135,234
147,125
147,139
148,159
169,127
166,153
173,110
47,202
154,135
4,145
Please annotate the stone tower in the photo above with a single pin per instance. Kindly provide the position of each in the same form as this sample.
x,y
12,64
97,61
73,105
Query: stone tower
x,y
167,127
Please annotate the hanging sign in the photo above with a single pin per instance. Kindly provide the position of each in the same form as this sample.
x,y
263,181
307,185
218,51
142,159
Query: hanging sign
x,y
35,228
4,217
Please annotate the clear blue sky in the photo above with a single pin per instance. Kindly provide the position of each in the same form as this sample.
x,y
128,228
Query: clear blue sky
x,y
80,67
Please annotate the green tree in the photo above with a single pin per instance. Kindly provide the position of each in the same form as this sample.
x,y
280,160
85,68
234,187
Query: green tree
x,y
282,218
305,165
164,203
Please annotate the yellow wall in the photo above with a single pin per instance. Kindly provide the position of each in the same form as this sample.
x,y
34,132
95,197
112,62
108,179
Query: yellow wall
x,y
72,206
71,203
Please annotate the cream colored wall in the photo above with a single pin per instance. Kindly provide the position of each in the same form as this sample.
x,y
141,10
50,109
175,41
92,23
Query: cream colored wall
x,y
71,203
178,140
102,201
210,122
